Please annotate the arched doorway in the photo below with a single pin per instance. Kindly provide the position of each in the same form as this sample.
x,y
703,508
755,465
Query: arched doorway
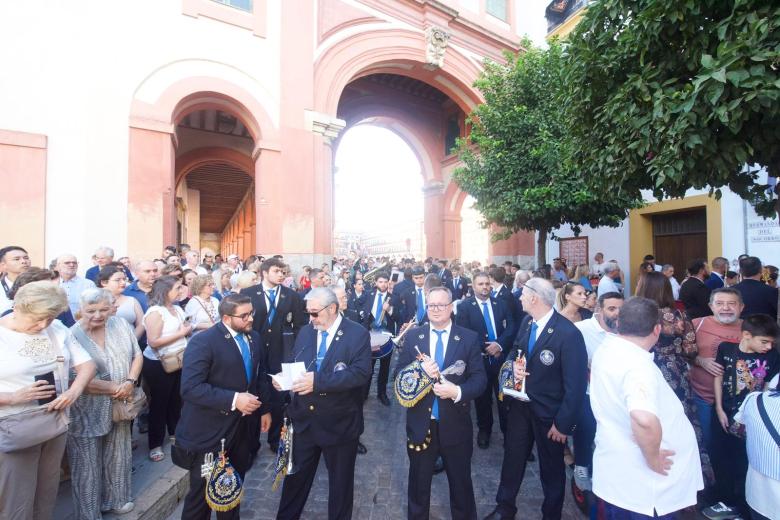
x,y
378,196
214,195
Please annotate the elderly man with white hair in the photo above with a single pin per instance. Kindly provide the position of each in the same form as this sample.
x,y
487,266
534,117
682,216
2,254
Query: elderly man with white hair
x,y
67,265
551,356
103,256
607,283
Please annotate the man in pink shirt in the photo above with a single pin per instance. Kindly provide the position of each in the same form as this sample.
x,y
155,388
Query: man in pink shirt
x,y
724,325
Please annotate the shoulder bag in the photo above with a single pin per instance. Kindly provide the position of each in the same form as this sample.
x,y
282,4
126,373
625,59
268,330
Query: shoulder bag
x,y
172,361
32,427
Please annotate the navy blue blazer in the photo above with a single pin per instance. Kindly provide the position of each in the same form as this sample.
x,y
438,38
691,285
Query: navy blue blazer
x,y
461,289
333,412
470,316
405,303
388,322
714,281
454,418
558,372
513,305
758,298
278,337
212,373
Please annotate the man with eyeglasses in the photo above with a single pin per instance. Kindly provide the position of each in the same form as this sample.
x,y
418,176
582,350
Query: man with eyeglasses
x,y
326,407
492,321
71,282
221,392
439,424
278,318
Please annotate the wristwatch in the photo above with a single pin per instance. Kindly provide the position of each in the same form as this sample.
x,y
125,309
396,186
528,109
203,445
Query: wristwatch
x,y
131,380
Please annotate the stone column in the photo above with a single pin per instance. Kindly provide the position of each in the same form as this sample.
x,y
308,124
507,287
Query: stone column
x,y
433,193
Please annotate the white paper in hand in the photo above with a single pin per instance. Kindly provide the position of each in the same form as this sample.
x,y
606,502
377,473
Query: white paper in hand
x,y
290,372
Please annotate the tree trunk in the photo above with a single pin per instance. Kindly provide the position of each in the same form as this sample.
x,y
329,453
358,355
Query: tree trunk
x,y
541,249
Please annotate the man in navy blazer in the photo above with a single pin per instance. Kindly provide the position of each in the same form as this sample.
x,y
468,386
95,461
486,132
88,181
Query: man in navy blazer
x,y
494,324
223,384
278,316
459,285
406,300
557,365
326,408
758,297
377,306
440,423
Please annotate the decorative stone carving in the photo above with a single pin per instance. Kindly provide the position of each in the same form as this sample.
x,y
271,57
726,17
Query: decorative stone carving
x,y
327,126
437,39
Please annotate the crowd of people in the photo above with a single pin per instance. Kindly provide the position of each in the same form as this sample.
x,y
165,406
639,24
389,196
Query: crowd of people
x,y
646,394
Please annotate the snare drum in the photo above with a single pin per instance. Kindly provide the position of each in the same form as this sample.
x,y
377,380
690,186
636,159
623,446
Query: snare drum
x,y
381,343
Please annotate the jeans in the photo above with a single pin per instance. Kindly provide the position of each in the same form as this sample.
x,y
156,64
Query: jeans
x,y
704,414
584,435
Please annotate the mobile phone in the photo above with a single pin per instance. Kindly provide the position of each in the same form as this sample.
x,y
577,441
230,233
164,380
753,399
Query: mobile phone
x,y
394,277
49,378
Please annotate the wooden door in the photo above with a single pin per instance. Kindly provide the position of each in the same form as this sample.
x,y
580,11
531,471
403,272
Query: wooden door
x,y
679,238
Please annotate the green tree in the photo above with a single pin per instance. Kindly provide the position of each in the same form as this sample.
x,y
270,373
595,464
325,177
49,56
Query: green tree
x,y
666,95
515,161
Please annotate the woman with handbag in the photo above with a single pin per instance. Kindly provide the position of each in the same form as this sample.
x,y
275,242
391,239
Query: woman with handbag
x,y
166,338
36,354
202,307
99,449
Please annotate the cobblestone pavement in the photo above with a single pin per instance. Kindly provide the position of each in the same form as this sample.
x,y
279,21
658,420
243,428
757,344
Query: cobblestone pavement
x,y
381,477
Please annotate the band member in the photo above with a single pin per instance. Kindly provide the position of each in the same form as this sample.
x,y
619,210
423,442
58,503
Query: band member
x,y
439,424
444,274
490,318
501,292
278,317
326,409
379,310
223,384
557,365
410,300
357,296
460,285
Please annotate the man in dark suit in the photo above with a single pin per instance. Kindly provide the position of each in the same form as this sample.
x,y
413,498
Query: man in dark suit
x,y
694,294
490,318
326,408
444,274
717,278
278,316
460,285
378,308
223,384
440,423
501,292
758,297
557,365
409,301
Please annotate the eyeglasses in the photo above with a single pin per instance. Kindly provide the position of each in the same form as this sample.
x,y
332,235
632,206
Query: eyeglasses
x,y
316,313
435,307
242,317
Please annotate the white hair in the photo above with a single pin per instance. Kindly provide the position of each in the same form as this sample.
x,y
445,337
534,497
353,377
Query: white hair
x,y
94,295
106,250
609,267
324,295
543,289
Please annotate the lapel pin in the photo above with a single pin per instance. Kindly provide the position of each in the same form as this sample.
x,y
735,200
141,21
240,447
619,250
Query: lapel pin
x,y
421,336
227,336
474,303
281,295
456,338
340,332
549,331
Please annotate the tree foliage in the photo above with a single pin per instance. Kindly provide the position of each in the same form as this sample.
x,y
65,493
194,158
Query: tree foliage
x,y
671,94
515,164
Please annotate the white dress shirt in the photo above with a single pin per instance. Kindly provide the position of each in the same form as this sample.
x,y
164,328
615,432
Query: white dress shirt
x,y
594,335
541,323
385,296
607,284
331,334
433,338
267,288
624,378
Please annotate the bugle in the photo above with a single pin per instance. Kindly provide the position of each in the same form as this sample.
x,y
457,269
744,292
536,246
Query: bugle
x,y
398,339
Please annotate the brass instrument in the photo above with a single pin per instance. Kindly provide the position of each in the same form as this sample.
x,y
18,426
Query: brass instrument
x,y
398,339
370,276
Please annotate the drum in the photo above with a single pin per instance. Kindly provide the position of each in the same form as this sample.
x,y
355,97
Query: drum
x,y
381,344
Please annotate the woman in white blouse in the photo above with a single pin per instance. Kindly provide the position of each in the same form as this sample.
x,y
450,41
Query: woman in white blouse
x,y
202,307
34,350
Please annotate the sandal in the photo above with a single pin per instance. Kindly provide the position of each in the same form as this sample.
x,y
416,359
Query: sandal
x,y
156,455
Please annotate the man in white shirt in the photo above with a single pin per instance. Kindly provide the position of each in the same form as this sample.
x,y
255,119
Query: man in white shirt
x,y
595,330
646,461
597,269
13,261
73,284
234,263
607,283
668,271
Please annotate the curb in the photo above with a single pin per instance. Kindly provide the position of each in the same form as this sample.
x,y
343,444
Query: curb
x,y
161,499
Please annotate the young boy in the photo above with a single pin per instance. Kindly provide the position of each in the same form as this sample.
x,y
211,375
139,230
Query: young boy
x,y
747,366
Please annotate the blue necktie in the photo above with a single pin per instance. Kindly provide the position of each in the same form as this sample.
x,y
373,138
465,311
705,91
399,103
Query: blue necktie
x,y
488,323
246,355
420,306
272,306
378,311
323,349
438,356
493,293
532,338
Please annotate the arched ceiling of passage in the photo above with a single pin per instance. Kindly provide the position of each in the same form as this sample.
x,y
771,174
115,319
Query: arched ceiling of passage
x,y
222,188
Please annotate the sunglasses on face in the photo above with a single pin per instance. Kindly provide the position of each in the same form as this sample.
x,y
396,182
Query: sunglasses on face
x,y
316,313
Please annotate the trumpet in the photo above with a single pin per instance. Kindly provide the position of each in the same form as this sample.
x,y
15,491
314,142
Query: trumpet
x,y
398,339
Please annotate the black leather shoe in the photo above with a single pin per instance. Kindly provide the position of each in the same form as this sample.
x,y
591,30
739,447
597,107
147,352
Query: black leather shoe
x,y
496,515
483,439
383,399
361,448
438,466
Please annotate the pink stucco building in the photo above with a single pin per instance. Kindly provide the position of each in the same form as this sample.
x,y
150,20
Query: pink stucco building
x,y
215,123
